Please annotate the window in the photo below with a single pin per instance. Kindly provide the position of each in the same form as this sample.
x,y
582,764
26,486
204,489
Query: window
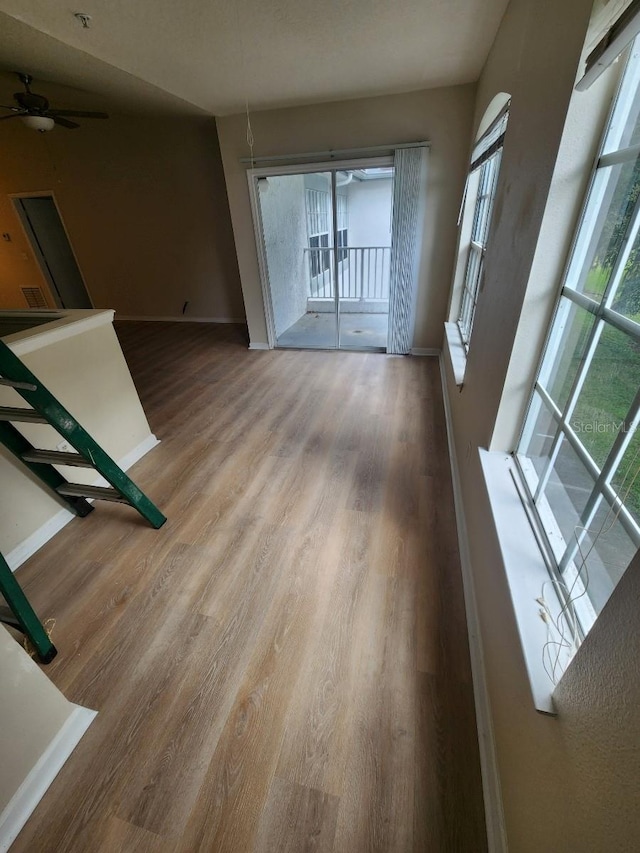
x,y
483,177
320,261
318,228
579,452
342,227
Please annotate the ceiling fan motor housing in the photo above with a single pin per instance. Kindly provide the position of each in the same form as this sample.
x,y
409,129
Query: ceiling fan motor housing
x,y
32,102
34,109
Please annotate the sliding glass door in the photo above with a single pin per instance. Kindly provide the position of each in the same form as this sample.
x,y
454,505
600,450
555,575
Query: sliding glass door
x,y
327,250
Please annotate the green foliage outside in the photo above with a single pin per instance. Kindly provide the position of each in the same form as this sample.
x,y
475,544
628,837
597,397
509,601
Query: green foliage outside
x,y
624,200
605,399
614,374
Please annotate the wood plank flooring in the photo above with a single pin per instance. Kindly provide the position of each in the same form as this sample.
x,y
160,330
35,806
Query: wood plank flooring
x,y
283,667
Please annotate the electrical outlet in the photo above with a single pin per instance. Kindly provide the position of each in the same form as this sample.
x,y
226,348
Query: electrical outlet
x,y
63,447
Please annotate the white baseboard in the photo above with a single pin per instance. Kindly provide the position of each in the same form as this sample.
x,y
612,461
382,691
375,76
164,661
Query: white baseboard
x,y
425,351
25,549
258,346
182,319
42,774
130,458
494,813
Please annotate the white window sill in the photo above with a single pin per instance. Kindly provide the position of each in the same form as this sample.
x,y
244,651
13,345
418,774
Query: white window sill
x,y
524,567
456,350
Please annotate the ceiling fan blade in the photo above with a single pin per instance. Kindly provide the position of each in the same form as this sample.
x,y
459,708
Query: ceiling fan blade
x,y
63,122
78,113
13,115
13,109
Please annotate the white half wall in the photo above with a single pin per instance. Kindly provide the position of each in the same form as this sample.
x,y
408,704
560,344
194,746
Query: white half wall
x,y
39,729
87,372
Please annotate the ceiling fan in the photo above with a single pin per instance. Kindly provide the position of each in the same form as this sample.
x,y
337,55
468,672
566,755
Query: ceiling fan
x,y
34,110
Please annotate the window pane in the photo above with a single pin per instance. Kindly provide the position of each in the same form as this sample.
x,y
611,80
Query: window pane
x,y
342,243
609,212
624,126
565,350
626,300
568,490
587,351
608,392
538,435
474,269
605,552
626,480
486,177
482,203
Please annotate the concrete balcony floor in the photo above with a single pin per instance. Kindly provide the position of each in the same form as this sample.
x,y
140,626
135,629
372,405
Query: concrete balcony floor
x,y
317,330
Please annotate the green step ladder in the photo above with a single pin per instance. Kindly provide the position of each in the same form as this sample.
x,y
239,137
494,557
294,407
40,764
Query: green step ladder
x,y
20,614
46,409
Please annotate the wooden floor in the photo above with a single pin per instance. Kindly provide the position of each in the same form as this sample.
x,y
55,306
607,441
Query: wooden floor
x,y
283,667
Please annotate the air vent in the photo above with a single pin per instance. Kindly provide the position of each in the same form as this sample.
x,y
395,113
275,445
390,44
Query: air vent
x,y
34,297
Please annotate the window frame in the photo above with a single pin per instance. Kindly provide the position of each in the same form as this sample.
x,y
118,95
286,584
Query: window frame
x,y
318,203
485,169
343,225
562,569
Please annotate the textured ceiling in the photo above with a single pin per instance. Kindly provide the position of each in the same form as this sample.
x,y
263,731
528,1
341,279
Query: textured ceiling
x,y
79,80
213,54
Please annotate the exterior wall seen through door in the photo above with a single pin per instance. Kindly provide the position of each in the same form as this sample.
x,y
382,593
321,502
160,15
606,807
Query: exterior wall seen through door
x,y
284,225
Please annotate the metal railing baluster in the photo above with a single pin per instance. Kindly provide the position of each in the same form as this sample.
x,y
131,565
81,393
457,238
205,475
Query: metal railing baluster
x,y
363,272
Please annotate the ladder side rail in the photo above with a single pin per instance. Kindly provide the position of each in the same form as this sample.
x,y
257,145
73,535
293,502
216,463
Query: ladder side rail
x,y
24,613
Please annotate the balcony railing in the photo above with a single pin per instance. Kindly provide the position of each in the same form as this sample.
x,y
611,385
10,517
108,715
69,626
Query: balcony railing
x,y
363,272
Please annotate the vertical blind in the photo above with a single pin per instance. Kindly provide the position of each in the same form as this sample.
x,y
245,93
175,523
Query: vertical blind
x,y
408,164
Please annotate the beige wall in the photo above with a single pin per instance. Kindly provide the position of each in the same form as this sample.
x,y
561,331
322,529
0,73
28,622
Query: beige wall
x,y
598,701
569,784
534,59
144,202
441,116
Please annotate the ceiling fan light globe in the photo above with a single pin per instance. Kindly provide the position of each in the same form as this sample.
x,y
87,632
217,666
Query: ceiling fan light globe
x,y
41,123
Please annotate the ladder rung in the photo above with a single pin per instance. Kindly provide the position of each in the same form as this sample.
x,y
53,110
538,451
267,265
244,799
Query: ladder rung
x,y
100,493
23,386
21,415
56,457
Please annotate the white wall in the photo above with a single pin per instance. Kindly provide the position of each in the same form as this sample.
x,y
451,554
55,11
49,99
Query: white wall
x,y
442,116
370,212
569,783
284,227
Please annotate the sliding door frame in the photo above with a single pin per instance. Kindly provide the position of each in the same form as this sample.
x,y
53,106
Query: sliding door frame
x,y
331,166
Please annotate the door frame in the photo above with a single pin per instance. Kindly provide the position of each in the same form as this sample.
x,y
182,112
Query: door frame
x,y
253,175
35,248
